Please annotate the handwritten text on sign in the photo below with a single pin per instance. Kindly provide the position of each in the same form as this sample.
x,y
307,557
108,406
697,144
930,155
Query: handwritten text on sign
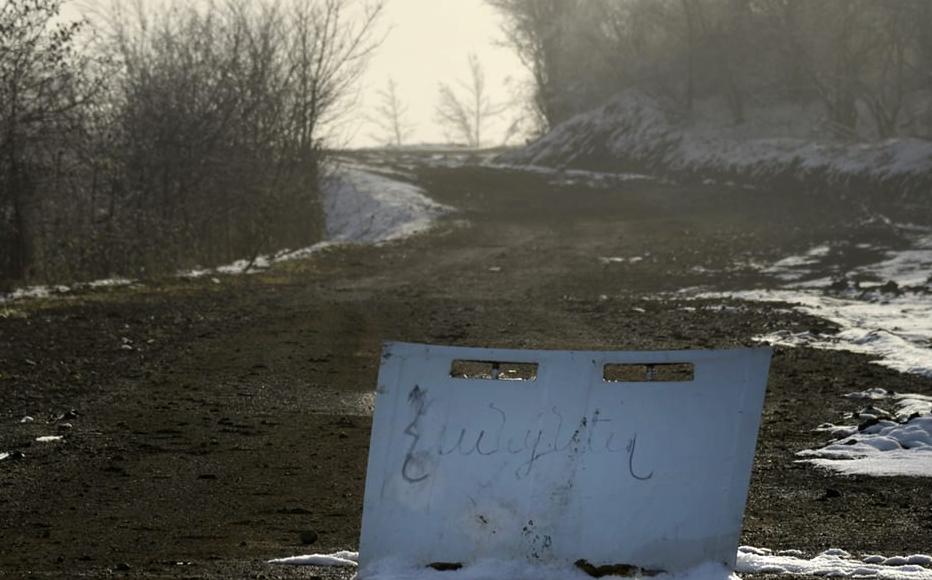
x,y
635,458
547,434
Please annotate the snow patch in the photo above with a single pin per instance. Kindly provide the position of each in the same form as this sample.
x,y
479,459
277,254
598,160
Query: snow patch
x,y
885,322
49,438
342,558
43,291
110,283
360,207
906,268
896,329
795,267
884,444
363,207
890,319
619,260
834,563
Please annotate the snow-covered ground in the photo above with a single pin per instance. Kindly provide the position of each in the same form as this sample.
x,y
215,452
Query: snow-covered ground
x,y
883,310
359,206
833,563
897,330
633,132
883,442
362,207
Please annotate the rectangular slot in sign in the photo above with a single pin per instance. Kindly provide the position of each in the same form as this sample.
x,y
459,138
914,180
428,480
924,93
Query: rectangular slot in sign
x,y
646,373
493,370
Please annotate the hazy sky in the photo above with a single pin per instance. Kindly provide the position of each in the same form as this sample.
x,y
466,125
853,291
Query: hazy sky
x,y
428,43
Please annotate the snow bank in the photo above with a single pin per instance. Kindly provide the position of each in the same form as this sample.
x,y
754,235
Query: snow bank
x,y
363,207
633,133
885,443
833,563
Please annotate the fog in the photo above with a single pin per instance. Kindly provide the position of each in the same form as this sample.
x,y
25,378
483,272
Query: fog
x,y
220,220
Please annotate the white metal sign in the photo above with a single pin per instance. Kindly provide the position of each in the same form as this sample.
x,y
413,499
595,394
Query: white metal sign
x,y
638,459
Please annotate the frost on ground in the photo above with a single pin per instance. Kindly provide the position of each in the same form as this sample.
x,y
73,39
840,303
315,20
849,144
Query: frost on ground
x,y
634,132
359,207
883,442
833,563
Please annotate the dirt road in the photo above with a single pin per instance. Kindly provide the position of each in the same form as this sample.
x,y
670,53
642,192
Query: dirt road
x,y
208,426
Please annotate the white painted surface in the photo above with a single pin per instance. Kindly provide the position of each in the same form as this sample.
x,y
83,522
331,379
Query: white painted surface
x,y
564,467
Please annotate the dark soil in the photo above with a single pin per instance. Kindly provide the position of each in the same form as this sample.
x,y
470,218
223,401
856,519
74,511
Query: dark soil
x,y
216,425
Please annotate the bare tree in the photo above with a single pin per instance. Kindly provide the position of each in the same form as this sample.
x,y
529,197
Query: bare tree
x,y
392,116
539,30
43,87
187,133
329,52
860,60
466,114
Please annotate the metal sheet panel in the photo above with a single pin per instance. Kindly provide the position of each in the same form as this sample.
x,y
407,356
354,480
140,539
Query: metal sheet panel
x,y
566,466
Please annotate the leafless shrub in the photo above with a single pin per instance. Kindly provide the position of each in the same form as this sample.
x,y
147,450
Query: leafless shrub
x,y
203,145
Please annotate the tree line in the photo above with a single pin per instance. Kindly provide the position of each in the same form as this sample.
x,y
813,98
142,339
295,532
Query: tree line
x,y
155,139
867,63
